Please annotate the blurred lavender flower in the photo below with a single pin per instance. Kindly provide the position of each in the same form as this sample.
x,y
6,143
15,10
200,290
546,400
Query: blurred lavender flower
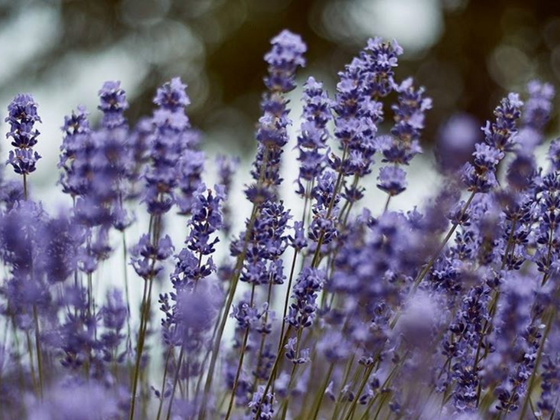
x,y
455,142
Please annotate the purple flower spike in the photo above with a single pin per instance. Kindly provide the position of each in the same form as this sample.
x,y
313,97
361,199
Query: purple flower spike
x,y
283,60
314,134
22,116
499,136
285,57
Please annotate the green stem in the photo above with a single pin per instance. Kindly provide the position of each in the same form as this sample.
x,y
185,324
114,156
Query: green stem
x,y
360,390
25,187
428,266
321,394
225,313
274,369
167,357
38,351
175,380
550,319
144,317
287,299
240,364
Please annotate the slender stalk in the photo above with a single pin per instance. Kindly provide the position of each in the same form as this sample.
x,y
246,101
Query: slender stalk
x,y
38,351
263,335
321,394
274,369
237,374
386,207
240,364
126,289
166,369
144,318
25,187
175,380
360,390
287,298
224,315
532,379
31,363
343,383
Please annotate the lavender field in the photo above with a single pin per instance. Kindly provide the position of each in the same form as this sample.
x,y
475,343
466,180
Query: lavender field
x,y
174,281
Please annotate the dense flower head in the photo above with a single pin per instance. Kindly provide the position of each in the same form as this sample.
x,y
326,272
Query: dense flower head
x,y
314,134
146,257
113,104
75,128
409,112
380,58
283,60
172,95
206,220
168,141
77,150
306,289
22,116
501,133
24,161
499,138
392,180
267,241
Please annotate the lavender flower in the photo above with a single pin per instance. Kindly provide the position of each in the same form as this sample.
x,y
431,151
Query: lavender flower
x,y
499,138
22,116
113,104
314,134
283,60
166,147
206,220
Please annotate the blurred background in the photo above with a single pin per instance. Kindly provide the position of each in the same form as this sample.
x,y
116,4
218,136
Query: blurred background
x,y
466,53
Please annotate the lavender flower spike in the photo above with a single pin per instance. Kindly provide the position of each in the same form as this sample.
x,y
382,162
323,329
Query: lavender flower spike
x,y
480,176
285,57
22,116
